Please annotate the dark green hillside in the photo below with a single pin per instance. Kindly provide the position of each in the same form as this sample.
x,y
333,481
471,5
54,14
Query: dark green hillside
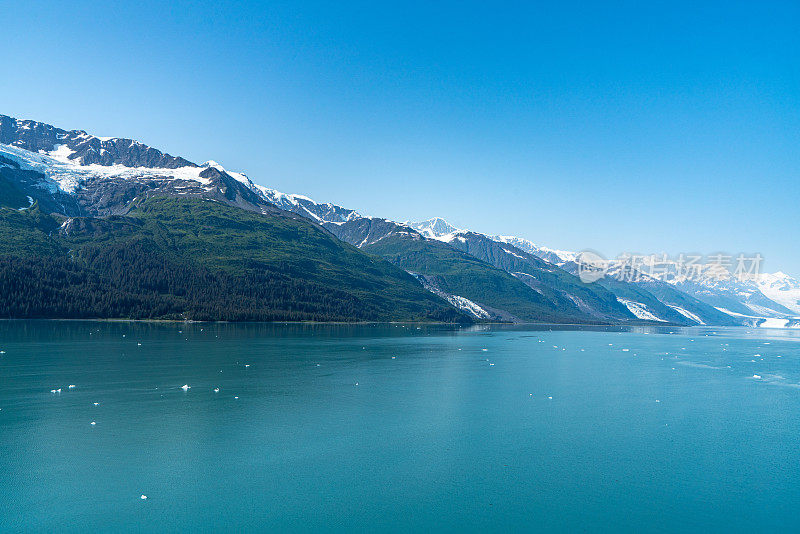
x,y
462,274
181,258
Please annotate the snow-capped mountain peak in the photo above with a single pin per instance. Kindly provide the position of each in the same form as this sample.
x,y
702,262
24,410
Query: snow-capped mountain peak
x,y
435,228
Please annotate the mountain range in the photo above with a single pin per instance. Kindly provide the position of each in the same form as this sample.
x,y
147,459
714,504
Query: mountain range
x,y
97,227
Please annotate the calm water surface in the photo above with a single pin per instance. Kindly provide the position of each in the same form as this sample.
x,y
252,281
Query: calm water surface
x,y
395,428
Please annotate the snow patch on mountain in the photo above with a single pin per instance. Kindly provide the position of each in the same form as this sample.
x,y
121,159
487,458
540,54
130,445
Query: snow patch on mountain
x,y
554,256
466,305
326,213
639,310
67,175
686,313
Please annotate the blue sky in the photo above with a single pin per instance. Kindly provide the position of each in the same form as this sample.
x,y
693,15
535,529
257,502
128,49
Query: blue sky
x,y
627,126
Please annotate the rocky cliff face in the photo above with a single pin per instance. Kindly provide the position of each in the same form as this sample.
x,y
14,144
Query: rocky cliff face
x,y
85,149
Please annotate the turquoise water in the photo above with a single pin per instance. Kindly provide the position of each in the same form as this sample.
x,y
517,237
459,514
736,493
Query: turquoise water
x,y
395,428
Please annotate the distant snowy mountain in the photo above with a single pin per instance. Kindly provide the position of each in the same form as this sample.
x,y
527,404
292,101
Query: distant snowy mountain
x,y
781,288
700,298
435,228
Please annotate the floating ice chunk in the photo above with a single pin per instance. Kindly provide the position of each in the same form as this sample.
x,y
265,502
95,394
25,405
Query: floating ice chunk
x,y
626,350
356,383
71,386
551,398
236,397
143,497
247,365
658,400
491,364
756,376
186,387
216,390
96,403
92,423
138,344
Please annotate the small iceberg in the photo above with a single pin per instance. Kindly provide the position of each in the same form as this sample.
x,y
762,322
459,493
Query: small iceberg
x,y
92,423
216,390
143,497
756,376
186,387
71,386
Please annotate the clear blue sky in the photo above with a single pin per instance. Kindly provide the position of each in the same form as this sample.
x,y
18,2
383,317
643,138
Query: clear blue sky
x,y
638,126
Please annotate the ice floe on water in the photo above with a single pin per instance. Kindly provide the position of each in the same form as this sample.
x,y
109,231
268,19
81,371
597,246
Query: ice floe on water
x,y
775,380
186,387
700,365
